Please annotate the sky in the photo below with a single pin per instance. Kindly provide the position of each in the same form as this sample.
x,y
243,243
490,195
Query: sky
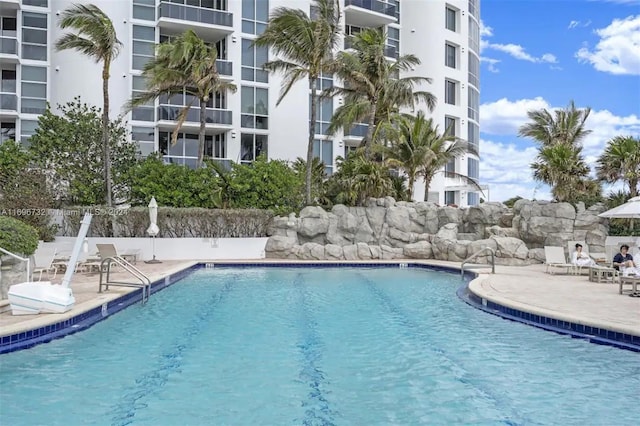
x,y
544,54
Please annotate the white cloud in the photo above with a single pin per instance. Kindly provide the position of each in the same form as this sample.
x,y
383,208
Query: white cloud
x,y
514,50
576,24
573,24
618,50
505,167
491,63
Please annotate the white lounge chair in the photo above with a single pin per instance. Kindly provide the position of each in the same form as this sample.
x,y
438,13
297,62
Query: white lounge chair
x,y
555,258
44,257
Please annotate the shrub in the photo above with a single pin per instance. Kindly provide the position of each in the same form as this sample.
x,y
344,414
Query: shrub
x,y
17,237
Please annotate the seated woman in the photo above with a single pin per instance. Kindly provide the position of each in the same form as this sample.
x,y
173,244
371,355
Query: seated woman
x,y
623,261
581,258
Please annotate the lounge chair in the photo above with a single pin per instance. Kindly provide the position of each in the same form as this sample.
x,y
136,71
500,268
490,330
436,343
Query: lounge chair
x,y
109,250
554,258
43,259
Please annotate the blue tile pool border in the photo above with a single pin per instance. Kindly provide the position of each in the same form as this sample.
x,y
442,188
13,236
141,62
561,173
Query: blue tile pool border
x,y
593,334
84,320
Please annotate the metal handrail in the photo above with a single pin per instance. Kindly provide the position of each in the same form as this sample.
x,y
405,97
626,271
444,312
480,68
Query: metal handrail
x,y
15,256
145,282
476,254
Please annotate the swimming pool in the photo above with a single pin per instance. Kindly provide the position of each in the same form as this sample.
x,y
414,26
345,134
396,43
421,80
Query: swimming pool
x,y
293,346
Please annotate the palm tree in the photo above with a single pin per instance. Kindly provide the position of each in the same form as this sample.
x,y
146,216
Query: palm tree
x,y
306,47
95,38
419,150
562,167
184,65
562,126
620,161
373,91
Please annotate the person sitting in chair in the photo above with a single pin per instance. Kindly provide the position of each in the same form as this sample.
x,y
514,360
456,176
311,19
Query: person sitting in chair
x,y
580,258
623,262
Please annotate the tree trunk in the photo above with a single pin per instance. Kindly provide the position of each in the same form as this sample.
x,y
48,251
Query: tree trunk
x,y
412,181
368,142
203,120
633,187
105,132
312,133
427,183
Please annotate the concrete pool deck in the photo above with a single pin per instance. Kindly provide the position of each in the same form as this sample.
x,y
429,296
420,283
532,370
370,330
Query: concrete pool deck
x,y
571,298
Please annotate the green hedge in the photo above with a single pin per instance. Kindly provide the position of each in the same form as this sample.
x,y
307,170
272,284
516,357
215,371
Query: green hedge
x,y
173,222
17,237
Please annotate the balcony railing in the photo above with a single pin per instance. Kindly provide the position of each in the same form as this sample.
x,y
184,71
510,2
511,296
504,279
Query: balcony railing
x,y
224,67
212,115
373,5
8,46
195,14
8,101
359,130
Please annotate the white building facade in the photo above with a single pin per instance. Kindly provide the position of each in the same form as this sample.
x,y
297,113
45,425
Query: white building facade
x,y
445,35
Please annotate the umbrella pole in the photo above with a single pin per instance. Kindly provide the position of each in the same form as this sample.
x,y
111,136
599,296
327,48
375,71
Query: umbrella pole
x,y
154,260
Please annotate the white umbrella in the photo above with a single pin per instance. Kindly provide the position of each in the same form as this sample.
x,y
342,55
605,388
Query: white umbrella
x,y
153,229
628,210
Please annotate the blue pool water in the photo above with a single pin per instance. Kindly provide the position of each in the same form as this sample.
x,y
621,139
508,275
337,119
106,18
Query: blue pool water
x,y
331,346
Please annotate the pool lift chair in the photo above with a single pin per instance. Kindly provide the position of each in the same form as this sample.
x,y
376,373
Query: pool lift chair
x,y
32,298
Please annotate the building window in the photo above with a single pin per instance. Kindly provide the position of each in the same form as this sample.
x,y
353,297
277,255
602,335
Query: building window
x,y
144,112
449,197
216,146
37,3
254,108
251,146
145,137
473,169
397,5
27,129
34,90
474,70
450,55
325,81
184,152
144,44
473,8
474,104
451,17
8,81
144,9
474,35
393,42
450,168
324,112
253,58
450,126
323,149
7,132
255,15
34,36
8,31
450,89
473,198
473,137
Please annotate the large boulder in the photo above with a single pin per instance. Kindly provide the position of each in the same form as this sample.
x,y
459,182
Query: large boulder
x,y
313,224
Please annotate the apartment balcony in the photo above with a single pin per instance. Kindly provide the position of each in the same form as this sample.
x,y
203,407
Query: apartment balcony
x,y
391,52
357,132
214,117
209,24
369,13
8,105
225,68
9,50
10,5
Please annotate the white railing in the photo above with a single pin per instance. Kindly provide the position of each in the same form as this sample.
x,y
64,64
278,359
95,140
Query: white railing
x,y
476,254
15,256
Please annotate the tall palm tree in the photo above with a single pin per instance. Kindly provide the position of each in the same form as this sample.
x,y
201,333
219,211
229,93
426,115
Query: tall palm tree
x,y
305,45
373,90
620,161
560,126
184,65
419,150
95,38
562,167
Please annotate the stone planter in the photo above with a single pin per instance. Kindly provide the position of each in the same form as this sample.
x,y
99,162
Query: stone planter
x,y
12,271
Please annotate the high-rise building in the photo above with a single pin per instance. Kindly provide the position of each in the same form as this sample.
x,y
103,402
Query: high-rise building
x,y
445,35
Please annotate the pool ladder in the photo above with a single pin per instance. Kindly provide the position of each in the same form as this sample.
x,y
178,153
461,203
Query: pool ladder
x,y
105,276
479,265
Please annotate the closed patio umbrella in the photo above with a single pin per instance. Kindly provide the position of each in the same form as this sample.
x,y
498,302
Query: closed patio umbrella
x,y
153,229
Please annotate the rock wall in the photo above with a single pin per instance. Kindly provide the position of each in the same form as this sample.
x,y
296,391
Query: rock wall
x,y
386,229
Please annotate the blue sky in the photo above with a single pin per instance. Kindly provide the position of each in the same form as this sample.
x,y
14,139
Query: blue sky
x,y
543,54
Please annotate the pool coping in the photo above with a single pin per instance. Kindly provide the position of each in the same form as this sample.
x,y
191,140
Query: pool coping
x,y
95,311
